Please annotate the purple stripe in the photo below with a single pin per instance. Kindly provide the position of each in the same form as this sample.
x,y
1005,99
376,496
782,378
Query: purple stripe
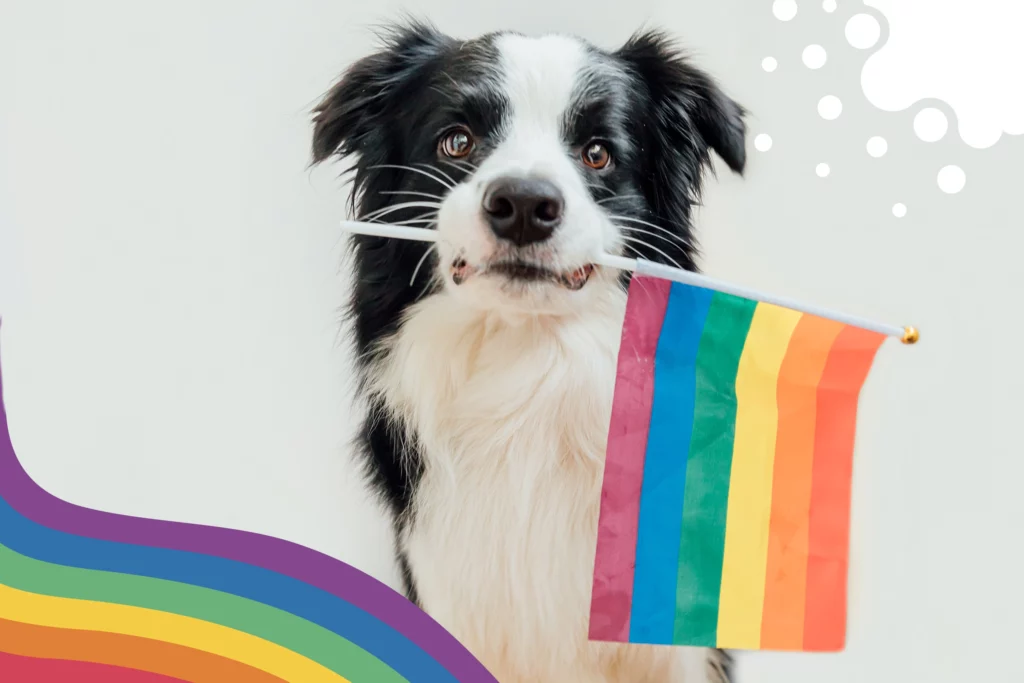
x,y
304,564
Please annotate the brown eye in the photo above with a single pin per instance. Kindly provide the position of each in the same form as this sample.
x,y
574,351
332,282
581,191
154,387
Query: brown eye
x,y
596,156
457,143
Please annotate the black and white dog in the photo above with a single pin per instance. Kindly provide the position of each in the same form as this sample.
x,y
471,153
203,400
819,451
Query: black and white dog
x,y
488,360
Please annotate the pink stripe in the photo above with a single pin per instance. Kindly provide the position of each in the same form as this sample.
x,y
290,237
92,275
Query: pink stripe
x,y
624,461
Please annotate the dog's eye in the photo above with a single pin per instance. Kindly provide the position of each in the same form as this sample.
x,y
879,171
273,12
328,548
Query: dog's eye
x,y
457,143
596,155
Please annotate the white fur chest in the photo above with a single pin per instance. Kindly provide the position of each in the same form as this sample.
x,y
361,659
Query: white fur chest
x,y
511,418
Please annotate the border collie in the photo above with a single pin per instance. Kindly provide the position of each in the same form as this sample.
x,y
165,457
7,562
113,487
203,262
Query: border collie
x,y
487,360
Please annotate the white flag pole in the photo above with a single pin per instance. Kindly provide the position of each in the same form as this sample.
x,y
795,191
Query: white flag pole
x,y
908,334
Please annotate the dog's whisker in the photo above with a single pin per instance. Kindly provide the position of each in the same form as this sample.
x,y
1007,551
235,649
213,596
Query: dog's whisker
x,y
659,228
454,163
423,258
640,231
665,235
414,194
646,210
436,169
600,187
411,221
653,248
633,250
373,215
620,197
402,205
415,170
424,217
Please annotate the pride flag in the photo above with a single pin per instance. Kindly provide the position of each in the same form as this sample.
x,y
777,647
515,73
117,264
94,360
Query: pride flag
x,y
725,505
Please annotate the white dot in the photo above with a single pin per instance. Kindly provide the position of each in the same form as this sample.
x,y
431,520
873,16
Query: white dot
x,y
763,142
784,10
822,170
877,146
814,56
829,5
899,210
930,124
951,179
862,31
830,107
769,64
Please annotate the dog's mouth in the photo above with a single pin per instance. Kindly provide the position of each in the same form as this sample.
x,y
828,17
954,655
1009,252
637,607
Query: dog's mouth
x,y
521,271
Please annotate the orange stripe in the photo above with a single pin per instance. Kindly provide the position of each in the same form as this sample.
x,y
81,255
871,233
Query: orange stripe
x,y
132,652
829,533
782,622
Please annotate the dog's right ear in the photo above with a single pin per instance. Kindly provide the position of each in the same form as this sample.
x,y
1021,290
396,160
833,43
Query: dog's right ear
x,y
347,119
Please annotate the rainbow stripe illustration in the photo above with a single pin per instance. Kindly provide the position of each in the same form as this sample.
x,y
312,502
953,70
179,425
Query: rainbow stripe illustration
x,y
92,596
725,507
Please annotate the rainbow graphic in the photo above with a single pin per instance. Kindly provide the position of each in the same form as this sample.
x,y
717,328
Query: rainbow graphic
x,y
726,498
91,596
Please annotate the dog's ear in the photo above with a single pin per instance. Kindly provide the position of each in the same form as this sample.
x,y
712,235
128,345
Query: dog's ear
x,y
688,104
347,119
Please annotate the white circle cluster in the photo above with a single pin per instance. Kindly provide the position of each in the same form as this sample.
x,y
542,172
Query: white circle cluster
x,y
863,31
814,56
784,10
930,124
877,146
951,179
830,107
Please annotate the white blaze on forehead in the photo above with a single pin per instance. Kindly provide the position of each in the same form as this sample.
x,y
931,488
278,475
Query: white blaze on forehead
x,y
539,77
540,81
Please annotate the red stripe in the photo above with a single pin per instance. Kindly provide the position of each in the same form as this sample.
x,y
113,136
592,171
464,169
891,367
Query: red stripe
x,y
624,462
832,474
18,669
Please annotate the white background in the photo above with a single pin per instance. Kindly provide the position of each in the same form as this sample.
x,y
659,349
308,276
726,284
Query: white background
x,y
171,278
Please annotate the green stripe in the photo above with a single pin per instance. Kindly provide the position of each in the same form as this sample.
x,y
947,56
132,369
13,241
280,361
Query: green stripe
x,y
706,495
272,624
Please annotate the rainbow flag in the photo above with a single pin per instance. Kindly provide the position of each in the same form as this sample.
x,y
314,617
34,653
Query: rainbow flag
x,y
725,506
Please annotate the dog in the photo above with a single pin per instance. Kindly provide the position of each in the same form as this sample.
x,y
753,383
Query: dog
x,y
487,360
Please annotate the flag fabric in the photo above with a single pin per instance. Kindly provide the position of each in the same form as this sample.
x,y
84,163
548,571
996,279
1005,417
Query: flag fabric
x,y
725,506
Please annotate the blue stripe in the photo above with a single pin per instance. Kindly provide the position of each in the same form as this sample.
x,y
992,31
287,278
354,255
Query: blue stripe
x,y
668,443
364,630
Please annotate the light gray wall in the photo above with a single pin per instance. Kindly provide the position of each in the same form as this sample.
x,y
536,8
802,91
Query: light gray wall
x,y
171,278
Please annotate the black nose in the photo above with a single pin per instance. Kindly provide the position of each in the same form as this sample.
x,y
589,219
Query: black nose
x,y
523,210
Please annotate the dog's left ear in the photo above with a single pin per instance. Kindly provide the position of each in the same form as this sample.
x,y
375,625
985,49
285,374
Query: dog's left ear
x,y
720,122
349,118
687,99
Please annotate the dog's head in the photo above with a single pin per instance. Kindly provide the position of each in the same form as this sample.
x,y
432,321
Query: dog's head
x,y
530,156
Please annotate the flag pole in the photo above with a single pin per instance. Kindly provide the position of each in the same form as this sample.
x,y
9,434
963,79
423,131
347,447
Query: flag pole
x,y
908,334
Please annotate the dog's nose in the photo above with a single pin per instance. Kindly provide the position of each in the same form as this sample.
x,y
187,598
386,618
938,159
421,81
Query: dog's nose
x,y
523,210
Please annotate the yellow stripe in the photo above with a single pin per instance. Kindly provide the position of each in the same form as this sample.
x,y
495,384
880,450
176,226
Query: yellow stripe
x,y
87,615
750,485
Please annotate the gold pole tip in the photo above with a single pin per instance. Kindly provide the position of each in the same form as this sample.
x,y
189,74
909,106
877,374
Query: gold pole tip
x,y
910,335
